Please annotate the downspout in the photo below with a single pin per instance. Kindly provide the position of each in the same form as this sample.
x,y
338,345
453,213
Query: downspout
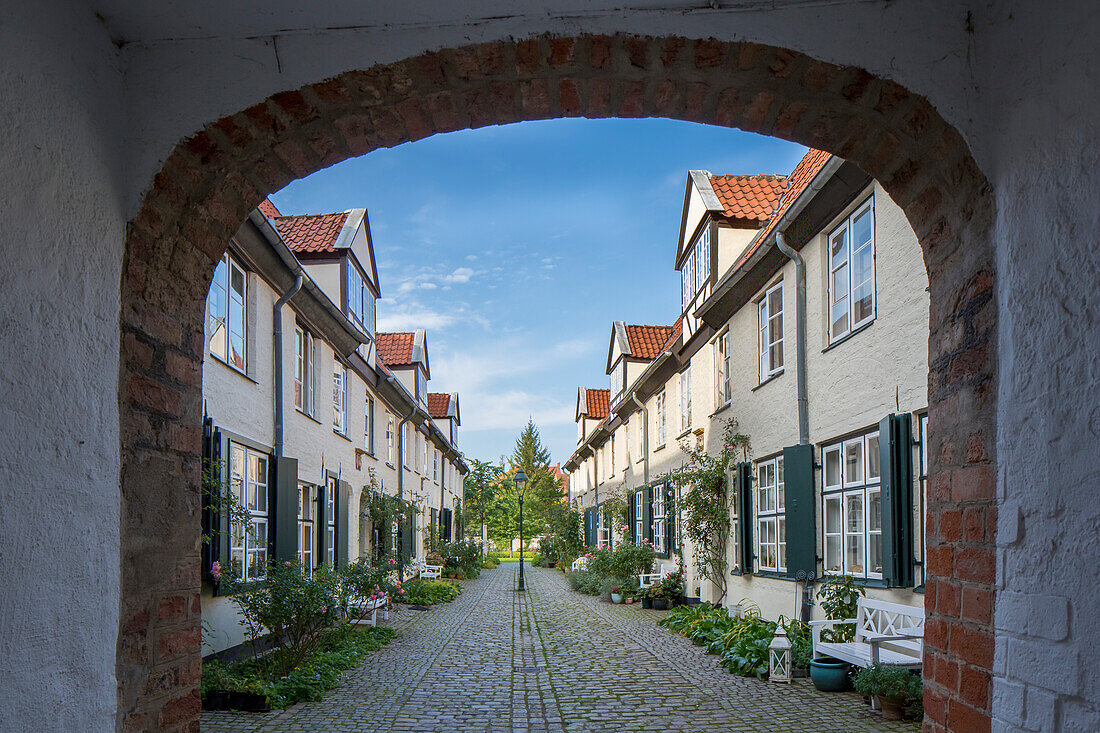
x,y
278,335
401,466
799,335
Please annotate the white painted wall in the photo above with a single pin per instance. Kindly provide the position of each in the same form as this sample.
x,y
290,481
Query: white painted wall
x,y
88,125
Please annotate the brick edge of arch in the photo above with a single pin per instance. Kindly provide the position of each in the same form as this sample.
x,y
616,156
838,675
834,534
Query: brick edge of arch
x,y
211,181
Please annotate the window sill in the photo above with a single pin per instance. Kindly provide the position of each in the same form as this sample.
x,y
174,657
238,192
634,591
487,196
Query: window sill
x,y
721,409
342,435
660,447
773,574
230,367
305,414
848,335
684,434
772,378
389,464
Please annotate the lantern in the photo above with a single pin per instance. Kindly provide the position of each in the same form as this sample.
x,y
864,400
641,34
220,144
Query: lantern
x,y
779,657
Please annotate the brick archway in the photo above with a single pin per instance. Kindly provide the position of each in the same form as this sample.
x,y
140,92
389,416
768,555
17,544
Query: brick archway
x,y
210,182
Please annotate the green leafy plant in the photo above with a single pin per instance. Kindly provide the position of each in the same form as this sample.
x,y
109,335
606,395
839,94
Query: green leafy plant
x,y
884,681
586,582
839,597
706,499
422,592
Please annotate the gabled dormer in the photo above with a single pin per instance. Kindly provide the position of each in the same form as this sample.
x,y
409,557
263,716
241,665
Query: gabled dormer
x,y
443,408
720,216
405,353
631,348
338,253
593,406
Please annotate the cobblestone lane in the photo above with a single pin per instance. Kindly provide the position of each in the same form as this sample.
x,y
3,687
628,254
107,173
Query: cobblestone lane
x,y
551,661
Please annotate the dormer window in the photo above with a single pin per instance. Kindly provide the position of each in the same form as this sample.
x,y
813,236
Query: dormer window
x,y
617,380
695,271
421,387
360,299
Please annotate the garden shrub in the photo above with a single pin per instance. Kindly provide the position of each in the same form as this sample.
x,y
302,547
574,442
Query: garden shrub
x,y
838,597
463,557
586,582
423,592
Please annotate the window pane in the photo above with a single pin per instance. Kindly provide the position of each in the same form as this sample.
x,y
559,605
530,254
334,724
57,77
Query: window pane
x,y
854,514
839,247
853,462
832,515
873,457
861,229
874,554
840,318
863,303
832,467
832,554
854,556
775,357
874,511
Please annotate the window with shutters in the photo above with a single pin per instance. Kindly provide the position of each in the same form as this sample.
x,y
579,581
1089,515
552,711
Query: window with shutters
x,y
723,391
639,515
226,313
853,507
303,371
852,273
339,398
248,472
307,534
735,519
660,520
604,531
330,521
770,308
771,521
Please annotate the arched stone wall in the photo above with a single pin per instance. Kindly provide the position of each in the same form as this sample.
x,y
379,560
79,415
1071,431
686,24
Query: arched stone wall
x,y
211,181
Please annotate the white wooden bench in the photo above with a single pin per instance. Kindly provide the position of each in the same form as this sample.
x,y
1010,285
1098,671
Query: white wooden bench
x,y
579,564
886,633
647,579
368,605
430,572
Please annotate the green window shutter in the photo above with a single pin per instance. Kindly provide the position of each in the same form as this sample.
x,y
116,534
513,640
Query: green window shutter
x,y
609,523
895,444
670,517
589,527
743,487
343,530
647,507
798,472
284,518
630,519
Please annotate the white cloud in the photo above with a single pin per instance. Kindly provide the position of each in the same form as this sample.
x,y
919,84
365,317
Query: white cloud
x,y
461,275
409,316
428,286
471,258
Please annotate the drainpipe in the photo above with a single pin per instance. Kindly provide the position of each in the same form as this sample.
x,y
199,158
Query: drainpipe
x,y
800,335
278,334
645,435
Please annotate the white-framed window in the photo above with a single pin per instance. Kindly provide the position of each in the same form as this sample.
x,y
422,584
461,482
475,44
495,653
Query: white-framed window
x,y
603,531
435,465
639,516
639,426
330,521
423,453
618,380
368,425
248,481
307,537
770,309
687,280
852,272
626,442
852,501
660,416
660,518
735,520
702,258
303,370
421,386
360,299
723,391
225,306
339,398
685,398
390,436
405,445
771,535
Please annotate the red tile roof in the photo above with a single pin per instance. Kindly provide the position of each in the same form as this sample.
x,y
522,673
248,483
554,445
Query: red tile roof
x,y
598,402
674,334
812,162
395,349
646,342
268,209
438,402
748,198
312,233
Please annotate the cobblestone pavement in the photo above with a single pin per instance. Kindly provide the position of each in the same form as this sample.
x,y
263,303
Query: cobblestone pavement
x,y
552,661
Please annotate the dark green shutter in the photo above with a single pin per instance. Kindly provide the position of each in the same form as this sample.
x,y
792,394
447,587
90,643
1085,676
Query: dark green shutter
x,y
630,518
798,472
284,518
743,487
895,444
342,529
589,523
647,517
670,517
406,530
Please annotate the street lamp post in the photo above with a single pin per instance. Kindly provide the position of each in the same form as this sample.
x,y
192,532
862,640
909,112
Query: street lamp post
x,y
521,486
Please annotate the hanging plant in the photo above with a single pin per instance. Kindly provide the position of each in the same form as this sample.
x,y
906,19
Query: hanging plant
x,y
705,501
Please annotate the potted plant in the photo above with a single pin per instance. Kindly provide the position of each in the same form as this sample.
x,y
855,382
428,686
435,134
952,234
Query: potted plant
x,y
672,587
829,675
616,594
890,686
658,596
628,600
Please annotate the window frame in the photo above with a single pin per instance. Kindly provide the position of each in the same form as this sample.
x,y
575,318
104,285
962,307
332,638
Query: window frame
x,y
248,543
307,519
685,398
766,325
368,425
659,522
723,382
659,416
639,516
331,486
391,438
222,282
834,266
846,487
772,514
339,397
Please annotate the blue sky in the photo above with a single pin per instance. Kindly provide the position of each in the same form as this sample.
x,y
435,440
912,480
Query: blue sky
x,y
515,247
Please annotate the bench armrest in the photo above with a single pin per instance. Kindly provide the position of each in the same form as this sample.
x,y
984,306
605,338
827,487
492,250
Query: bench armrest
x,y
833,622
878,639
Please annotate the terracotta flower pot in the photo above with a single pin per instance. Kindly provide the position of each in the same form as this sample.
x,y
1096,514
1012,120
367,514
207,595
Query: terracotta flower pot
x,y
891,707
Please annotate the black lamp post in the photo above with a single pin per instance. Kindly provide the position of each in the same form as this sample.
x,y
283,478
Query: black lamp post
x,y
521,486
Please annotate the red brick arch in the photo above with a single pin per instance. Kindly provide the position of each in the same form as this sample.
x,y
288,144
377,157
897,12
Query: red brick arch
x,y
211,181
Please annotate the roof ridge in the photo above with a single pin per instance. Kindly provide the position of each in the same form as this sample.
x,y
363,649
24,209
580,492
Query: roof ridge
x,y
304,216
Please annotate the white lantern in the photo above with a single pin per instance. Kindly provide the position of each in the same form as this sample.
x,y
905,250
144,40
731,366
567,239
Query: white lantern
x,y
779,657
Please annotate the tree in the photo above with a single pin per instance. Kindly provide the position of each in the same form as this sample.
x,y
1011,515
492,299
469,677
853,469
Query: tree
x,y
482,486
543,498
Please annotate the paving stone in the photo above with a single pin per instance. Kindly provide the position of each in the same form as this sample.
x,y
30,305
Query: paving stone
x,y
551,661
